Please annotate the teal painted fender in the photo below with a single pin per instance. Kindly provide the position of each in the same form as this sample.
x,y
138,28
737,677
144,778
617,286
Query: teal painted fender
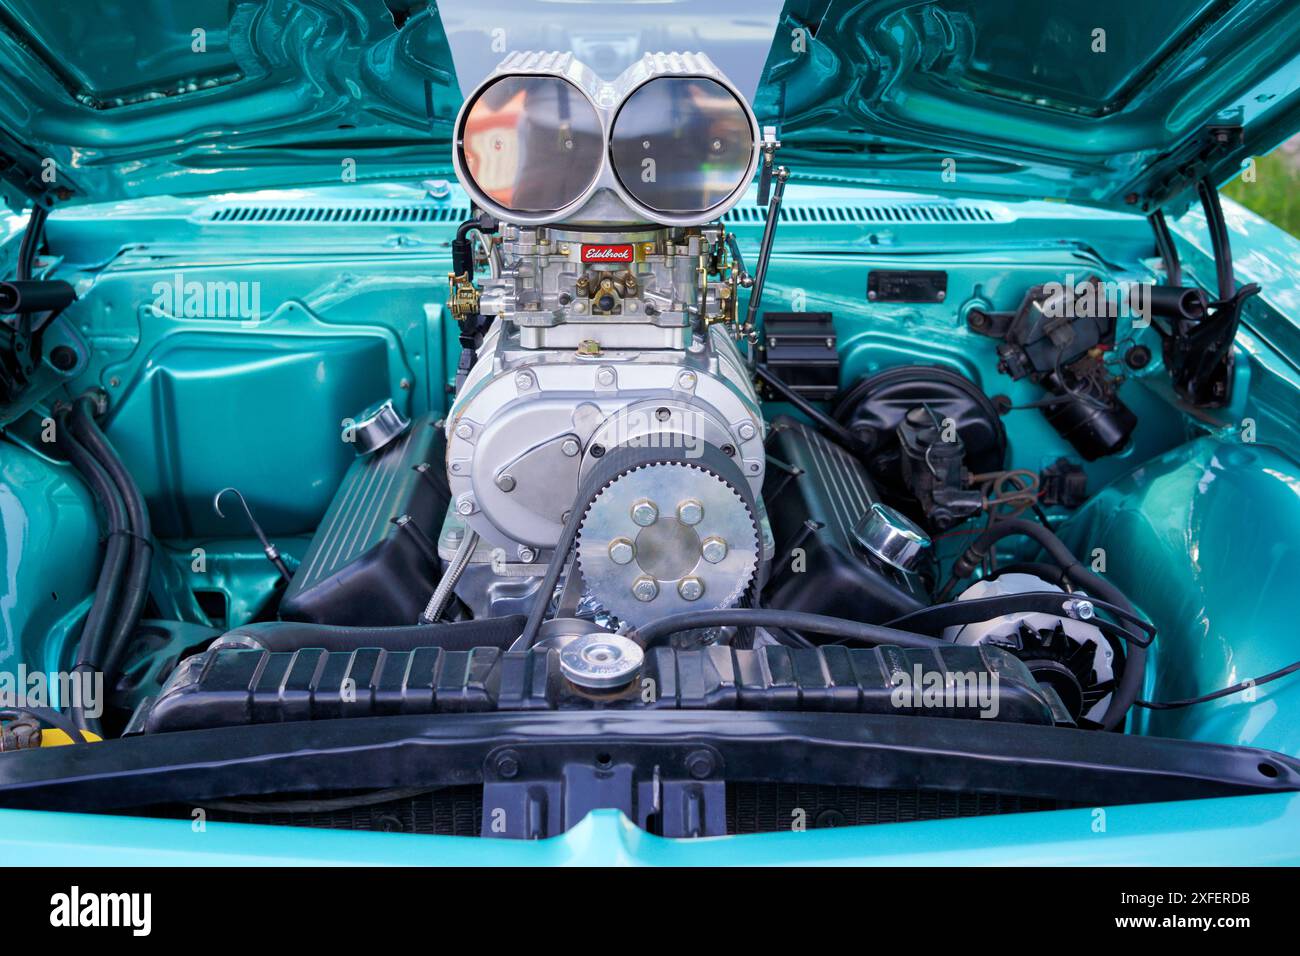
x,y
1261,829
1206,540
49,545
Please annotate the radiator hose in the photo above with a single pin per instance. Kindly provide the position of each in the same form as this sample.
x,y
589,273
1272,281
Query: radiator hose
x,y
95,629
122,586
135,585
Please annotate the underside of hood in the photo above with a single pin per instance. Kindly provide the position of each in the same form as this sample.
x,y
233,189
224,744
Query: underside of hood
x,y
1105,102
1111,103
110,100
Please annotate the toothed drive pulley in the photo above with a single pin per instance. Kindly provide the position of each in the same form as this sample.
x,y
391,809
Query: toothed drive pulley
x,y
670,536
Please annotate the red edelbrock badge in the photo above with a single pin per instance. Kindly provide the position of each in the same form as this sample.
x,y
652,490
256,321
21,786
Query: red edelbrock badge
x,y
619,253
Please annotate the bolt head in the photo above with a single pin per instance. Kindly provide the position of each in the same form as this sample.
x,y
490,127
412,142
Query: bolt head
x,y
690,588
526,554
605,376
645,588
699,764
746,431
464,430
465,505
506,482
645,512
690,511
507,765
1081,609
570,447
523,380
622,551
686,380
713,549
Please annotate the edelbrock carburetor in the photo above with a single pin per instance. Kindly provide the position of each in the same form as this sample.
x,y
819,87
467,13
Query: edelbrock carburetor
x,y
608,404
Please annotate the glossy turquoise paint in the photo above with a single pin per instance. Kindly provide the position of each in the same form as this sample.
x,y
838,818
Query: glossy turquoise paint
x,y
1206,539
128,100
965,96
1242,830
199,403
49,554
235,568
378,287
993,97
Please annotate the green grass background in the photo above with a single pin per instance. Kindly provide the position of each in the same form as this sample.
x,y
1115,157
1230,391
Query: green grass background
x,y
1275,193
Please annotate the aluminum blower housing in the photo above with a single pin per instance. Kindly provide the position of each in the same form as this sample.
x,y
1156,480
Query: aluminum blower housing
x,y
609,329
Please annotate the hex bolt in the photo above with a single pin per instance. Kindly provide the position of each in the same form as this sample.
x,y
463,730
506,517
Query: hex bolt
x,y
690,511
713,549
526,554
523,381
605,376
686,380
645,512
622,551
506,482
700,764
690,588
464,430
570,447
507,764
746,431
1080,609
465,505
645,588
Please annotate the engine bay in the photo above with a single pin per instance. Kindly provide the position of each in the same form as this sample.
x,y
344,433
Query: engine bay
x,y
869,495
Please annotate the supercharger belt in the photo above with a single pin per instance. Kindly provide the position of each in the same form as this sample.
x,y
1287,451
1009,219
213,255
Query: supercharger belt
x,y
658,531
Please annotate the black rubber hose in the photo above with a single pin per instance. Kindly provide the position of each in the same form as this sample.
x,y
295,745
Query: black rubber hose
x,y
135,587
96,629
1135,666
652,633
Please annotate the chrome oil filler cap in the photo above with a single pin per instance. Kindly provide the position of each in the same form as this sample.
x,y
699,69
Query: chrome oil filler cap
x,y
891,536
376,427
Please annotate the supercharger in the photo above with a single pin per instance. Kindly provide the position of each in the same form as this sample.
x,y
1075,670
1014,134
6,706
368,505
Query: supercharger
x,y
609,349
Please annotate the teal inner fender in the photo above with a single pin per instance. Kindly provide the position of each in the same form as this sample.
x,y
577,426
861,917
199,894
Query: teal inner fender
x,y
1206,540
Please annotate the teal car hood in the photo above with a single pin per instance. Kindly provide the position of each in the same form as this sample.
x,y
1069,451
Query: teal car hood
x,y
1101,102
1104,102
112,99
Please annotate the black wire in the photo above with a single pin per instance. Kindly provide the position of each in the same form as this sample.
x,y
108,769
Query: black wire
x,y
973,610
649,634
31,240
1225,692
